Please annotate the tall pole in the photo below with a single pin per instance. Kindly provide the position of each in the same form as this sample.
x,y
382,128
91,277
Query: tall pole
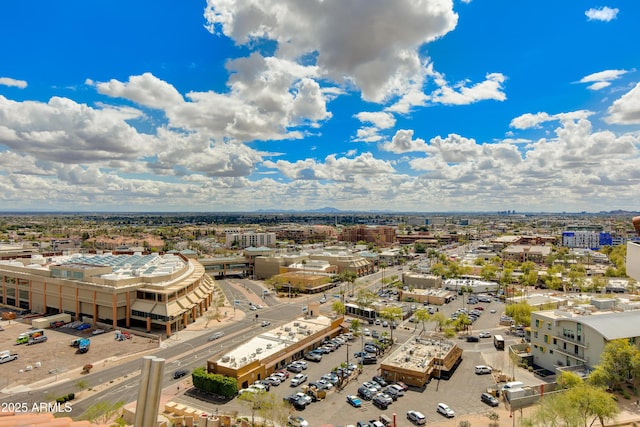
x,y
143,390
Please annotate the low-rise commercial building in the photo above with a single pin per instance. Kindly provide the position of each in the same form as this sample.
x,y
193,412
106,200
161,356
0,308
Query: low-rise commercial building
x,y
259,357
421,281
420,359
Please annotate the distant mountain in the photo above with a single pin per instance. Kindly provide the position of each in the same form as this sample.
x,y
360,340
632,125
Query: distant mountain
x,y
326,210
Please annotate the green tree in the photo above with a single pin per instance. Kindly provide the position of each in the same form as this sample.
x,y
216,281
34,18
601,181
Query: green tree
x,y
82,385
355,327
520,313
580,405
619,362
440,320
260,402
489,272
338,308
422,315
391,314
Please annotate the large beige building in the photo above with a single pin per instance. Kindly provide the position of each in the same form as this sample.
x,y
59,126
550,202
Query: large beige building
x,y
273,349
161,293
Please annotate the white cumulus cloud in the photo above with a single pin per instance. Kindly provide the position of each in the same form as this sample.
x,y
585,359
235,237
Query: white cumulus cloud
x,y
605,14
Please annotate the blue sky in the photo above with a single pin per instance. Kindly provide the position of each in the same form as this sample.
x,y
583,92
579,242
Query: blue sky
x,y
410,105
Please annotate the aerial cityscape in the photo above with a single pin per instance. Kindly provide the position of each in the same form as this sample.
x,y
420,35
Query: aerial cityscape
x,y
390,320
319,213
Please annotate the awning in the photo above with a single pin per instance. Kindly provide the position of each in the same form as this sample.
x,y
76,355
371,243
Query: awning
x,y
173,309
193,299
143,306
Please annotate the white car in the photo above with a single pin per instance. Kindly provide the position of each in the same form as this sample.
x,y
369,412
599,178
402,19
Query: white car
x,y
297,421
483,369
298,379
444,409
484,334
416,417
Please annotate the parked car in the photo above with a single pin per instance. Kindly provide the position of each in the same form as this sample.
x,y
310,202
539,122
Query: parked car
x,y
416,417
282,373
98,331
398,388
445,410
378,379
273,380
265,323
298,379
313,356
391,392
380,402
489,400
369,360
354,401
365,393
372,385
294,367
83,327
297,421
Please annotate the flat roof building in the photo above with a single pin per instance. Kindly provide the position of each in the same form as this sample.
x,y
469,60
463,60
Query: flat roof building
x,y
273,349
421,359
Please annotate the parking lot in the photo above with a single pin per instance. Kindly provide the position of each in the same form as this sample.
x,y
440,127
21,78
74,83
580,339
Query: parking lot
x,y
49,360
461,392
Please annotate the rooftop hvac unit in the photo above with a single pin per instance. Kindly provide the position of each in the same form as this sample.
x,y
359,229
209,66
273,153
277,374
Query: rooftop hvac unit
x,y
232,359
243,359
407,359
225,359
258,350
296,324
269,346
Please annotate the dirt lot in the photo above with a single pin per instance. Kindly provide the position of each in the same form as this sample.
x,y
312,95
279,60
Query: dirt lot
x,y
56,354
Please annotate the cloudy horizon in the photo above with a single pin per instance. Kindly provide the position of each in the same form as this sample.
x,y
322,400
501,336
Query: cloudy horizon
x,y
364,105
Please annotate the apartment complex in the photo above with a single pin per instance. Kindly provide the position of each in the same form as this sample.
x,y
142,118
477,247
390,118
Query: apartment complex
x,y
250,239
577,336
586,239
381,235
161,293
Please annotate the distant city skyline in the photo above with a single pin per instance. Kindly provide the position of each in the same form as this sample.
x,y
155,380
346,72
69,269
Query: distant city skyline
x,y
415,106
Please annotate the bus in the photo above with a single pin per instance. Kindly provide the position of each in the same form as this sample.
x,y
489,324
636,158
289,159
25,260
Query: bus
x,y
498,342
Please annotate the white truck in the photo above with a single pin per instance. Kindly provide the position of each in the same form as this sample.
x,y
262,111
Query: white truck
x,y
6,356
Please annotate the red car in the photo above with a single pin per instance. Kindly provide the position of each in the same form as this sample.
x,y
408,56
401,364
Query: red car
x,y
479,308
284,372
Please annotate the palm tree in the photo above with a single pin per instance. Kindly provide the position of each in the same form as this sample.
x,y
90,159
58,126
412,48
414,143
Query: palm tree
x,y
382,266
391,314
